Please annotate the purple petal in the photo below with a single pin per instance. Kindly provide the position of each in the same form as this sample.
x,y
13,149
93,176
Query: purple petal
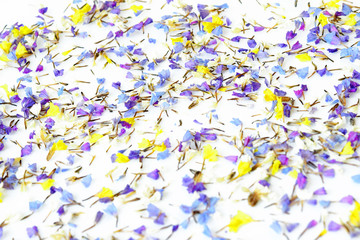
x,y
333,226
301,180
43,10
296,46
311,224
26,150
154,174
290,35
98,217
251,43
320,191
347,199
85,147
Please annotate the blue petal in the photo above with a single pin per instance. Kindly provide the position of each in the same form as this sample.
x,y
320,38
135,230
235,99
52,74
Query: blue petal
x,y
86,181
207,231
67,197
163,155
35,205
356,178
155,97
111,209
203,218
188,136
153,210
278,69
302,72
346,9
236,122
276,227
217,31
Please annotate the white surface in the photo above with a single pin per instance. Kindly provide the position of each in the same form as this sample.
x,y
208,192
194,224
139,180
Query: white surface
x,y
175,195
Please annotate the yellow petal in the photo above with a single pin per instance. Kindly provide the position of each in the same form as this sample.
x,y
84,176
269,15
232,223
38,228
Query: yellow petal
x,y
209,153
12,93
160,148
121,158
1,200
130,121
5,87
323,232
347,150
303,57
322,19
24,30
275,167
79,14
144,143
4,58
269,95
255,50
333,4
209,26
95,137
67,52
47,184
355,215
306,121
58,146
105,192
279,110
203,69
107,58
293,174
136,8
244,168
15,32
158,131
175,40
350,20
20,50
53,110
85,8
236,30
217,20
77,17
5,45
238,220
